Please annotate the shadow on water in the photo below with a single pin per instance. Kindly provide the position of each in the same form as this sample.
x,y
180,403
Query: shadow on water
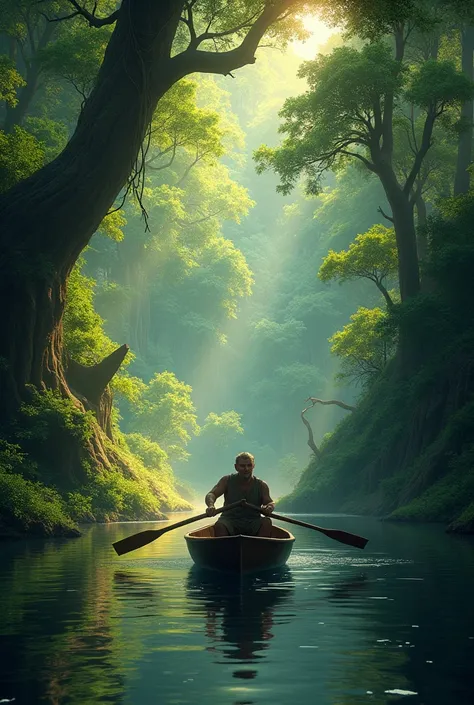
x,y
348,588
239,613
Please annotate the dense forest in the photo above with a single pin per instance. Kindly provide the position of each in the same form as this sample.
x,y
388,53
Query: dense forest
x,y
226,227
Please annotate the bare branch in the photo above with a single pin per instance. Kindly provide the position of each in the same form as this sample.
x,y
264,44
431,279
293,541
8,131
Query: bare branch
x,y
343,405
388,217
314,401
311,442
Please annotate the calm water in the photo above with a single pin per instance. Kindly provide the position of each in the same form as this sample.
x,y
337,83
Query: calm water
x,y
393,623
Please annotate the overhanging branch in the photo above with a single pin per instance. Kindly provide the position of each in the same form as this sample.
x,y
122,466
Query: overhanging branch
x,y
342,404
193,60
91,17
314,401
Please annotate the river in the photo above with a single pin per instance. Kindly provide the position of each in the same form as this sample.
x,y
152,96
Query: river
x,y
339,626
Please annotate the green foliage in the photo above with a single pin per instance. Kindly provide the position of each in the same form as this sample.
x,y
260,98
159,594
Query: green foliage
x,y
113,496
179,124
150,453
51,135
112,226
12,457
272,336
21,154
372,255
32,507
407,450
219,430
48,412
165,413
437,85
327,125
76,55
372,20
363,346
84,336
10,81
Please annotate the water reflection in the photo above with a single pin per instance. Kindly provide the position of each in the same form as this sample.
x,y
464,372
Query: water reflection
x,y
349,588
239,613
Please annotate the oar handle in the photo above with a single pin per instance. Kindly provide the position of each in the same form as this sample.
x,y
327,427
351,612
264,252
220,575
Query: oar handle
x,y
204,516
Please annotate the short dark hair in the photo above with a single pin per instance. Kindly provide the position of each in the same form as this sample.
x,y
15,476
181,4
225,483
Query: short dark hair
x,y
244,456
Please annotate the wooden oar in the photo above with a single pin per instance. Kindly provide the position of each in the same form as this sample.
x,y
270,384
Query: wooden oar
x,y
131,543
336,534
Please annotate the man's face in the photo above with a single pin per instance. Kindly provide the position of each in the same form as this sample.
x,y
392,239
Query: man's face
x,y
244,467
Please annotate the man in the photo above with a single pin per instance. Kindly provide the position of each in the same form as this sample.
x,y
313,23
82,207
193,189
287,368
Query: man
x,y
242,485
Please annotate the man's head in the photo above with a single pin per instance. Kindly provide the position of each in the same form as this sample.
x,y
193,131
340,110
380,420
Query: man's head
x,y
244,464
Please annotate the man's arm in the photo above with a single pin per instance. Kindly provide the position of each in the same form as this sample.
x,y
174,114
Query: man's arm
x,y
217,491
268,505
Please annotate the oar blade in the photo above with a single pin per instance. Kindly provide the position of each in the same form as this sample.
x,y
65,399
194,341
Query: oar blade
x,y
131,543
345,537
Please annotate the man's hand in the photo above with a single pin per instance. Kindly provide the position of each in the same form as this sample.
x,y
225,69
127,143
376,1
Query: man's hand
x,y
211,511
267,508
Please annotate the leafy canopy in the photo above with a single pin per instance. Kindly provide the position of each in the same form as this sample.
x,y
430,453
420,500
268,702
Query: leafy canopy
x,y
340,117
372,255
166,414
363,346
329,124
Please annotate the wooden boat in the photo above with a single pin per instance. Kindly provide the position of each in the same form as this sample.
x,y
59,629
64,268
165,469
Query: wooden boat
x,y
241,553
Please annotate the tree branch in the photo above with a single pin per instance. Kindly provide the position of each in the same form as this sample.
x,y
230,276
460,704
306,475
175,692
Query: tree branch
x,y
367,163
425,145
387,217
310,441
206,36
343,405
314,401
384,292
192,60
91,18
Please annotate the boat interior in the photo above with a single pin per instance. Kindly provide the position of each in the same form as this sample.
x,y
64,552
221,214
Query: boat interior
x,y
207,532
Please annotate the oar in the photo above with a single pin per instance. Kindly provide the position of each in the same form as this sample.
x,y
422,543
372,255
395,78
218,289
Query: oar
x,y
336,534
131,543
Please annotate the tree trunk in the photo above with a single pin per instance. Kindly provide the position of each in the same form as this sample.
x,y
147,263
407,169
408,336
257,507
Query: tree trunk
x,y
405,233
422,243
464,157
90,385
48,219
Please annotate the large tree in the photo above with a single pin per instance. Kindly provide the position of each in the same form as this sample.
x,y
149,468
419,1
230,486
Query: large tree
x,y
348,113
48,219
